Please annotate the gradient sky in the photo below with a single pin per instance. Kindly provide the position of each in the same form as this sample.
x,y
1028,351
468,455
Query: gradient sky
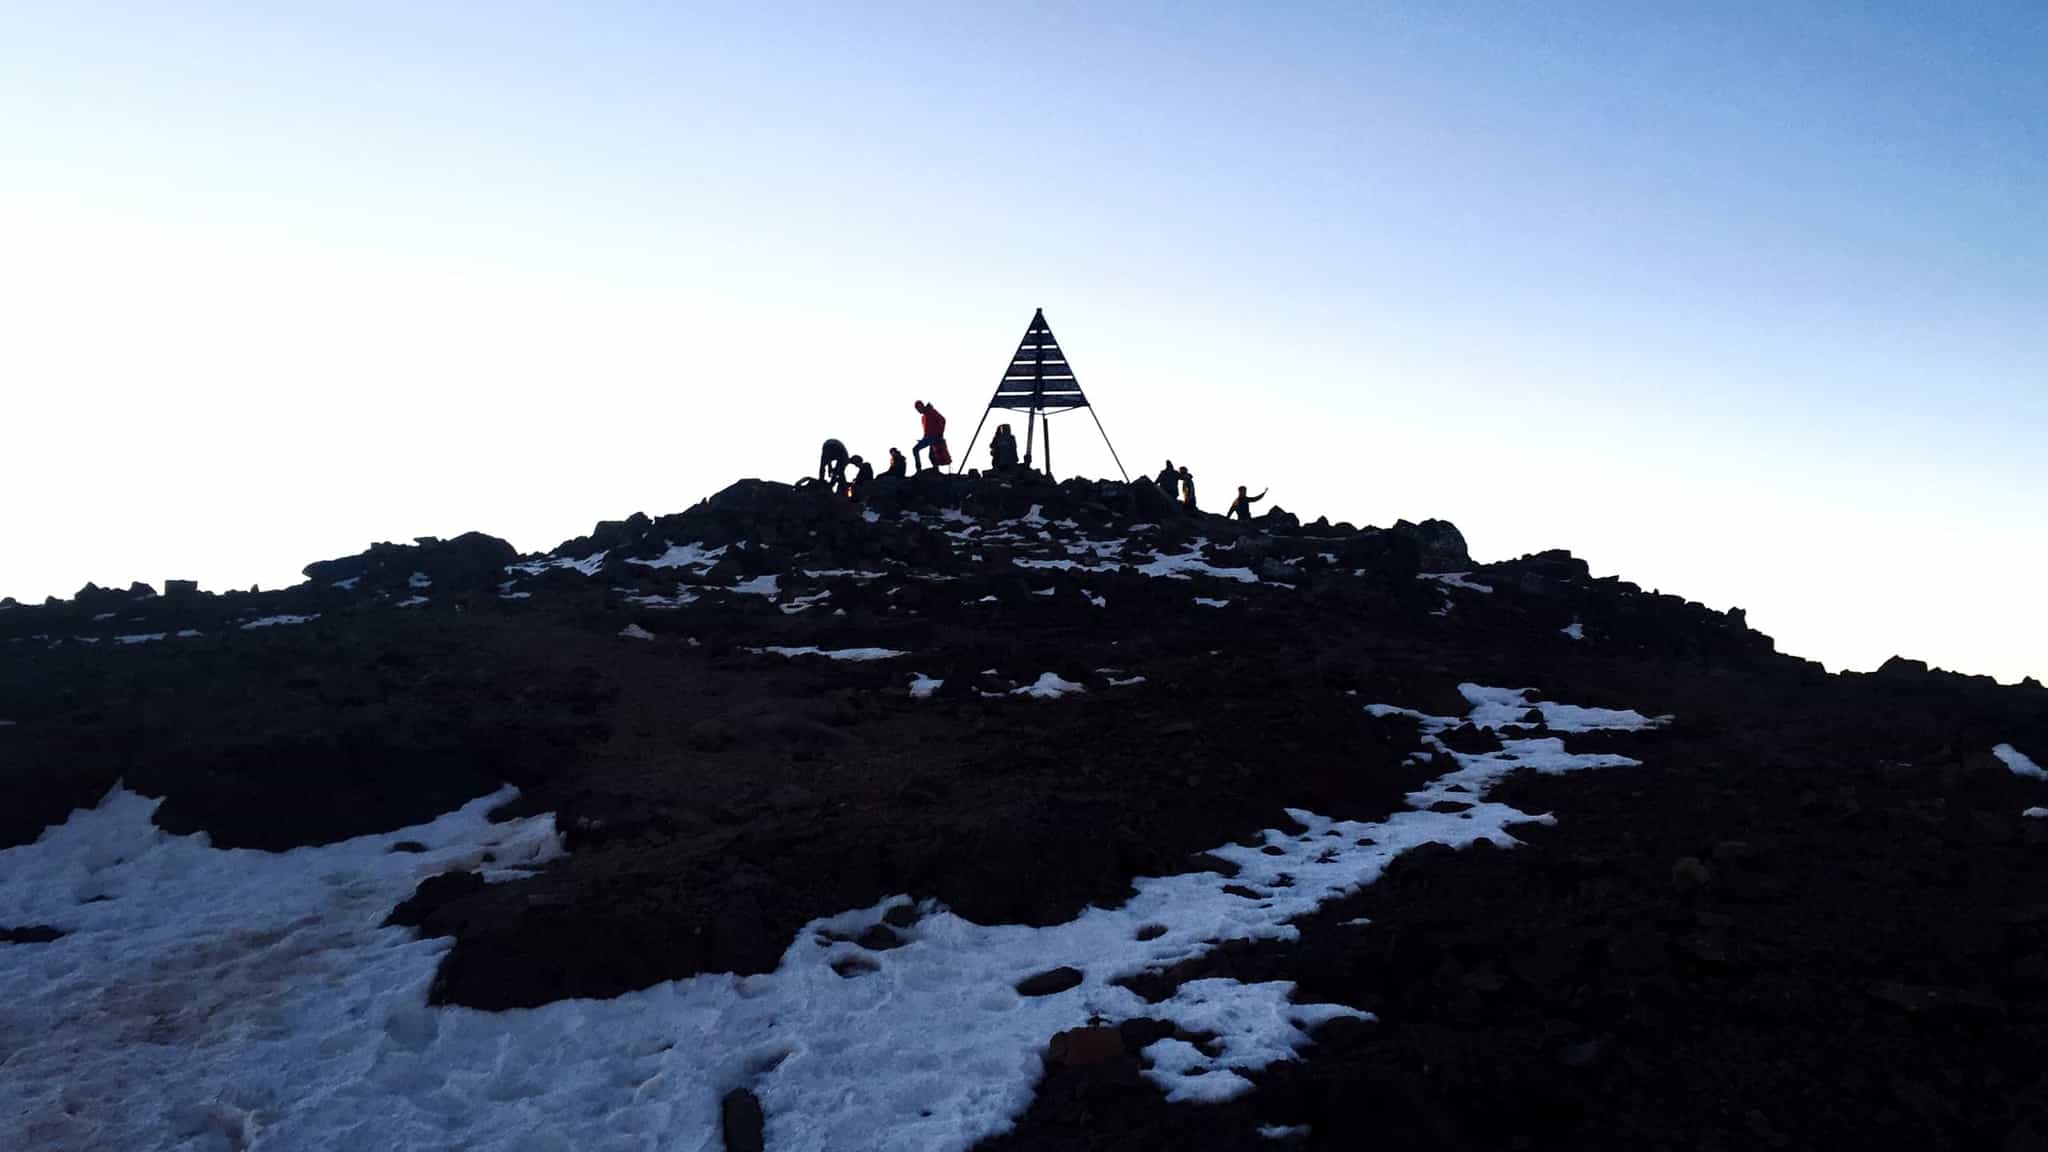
x,y
1747,302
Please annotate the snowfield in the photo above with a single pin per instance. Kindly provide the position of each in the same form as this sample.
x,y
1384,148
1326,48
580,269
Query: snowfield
x,y
232,999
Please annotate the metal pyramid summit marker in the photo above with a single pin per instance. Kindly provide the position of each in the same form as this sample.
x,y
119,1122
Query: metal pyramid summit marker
x,y
1039,379
1041,384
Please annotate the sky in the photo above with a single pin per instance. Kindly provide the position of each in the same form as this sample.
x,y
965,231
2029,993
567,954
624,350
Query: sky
x,y
1743,302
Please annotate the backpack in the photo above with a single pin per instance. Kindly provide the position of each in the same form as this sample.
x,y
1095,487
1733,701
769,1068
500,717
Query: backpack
x,y
940,456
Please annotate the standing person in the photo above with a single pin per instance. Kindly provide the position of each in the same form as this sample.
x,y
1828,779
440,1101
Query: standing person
x,y
863,475
1169,482
1187,489
934,435
1242,506
898,466
1002,449
832,465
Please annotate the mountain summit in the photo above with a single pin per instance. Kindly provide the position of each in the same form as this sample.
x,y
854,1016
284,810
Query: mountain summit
x,y
1001,814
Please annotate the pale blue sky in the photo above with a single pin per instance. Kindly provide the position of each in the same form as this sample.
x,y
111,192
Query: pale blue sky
x,y
1742,301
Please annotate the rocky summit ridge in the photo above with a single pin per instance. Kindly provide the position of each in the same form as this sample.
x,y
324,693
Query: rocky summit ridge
x,y
1788,909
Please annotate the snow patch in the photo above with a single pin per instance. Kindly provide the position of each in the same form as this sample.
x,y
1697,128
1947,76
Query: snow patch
x,y
922,686
1504,708
684,595
588,565
274,621
2019,763
800,603
419,580
759,586
1575,630
683,556
411,602
138,638
349,584
1186,565
1455,580
199,995
854,654
636,632
1209,602
1049,686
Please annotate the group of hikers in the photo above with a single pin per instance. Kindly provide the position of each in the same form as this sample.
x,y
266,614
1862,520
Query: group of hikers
x,y
833,461
1179,485
833,464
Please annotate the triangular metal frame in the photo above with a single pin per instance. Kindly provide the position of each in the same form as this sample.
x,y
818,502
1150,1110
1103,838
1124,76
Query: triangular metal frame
x,y
1041,384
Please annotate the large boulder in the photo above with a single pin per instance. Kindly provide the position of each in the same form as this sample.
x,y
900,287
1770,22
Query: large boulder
x,y
468,562
1440,544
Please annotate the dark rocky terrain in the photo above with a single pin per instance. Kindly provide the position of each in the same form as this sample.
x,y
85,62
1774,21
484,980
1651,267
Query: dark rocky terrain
x,y
1814,916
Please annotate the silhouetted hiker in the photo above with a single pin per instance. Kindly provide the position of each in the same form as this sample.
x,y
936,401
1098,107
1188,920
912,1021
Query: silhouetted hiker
x,y
1242,506
1002,449
1169,481
832,465
1187,489
934,437
863,475
898,466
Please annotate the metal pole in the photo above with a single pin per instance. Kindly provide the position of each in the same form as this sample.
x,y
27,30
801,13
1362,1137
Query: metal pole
x,y
1030,434
961,466
1048,447
1107,444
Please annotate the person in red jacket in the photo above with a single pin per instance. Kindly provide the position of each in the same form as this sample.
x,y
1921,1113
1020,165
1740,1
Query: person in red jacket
x,y
934,435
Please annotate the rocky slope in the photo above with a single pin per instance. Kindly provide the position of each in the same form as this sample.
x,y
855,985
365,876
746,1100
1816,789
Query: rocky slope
x,y
1810,914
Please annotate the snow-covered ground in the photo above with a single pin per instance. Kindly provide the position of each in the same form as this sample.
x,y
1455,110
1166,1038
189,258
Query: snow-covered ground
x,y
588,565
694,556
2019,762
274,621
1049,686
233,999
853,654
1456,580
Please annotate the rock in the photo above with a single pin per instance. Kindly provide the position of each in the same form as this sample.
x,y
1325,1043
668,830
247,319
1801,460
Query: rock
x,y
1581,1054
30,934
433,894
879,938
901,916
1278,519
1271,569
852,966
741,1121
2024,1136
1728,851
1050,982
1081,1047
1690,874
1441,547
